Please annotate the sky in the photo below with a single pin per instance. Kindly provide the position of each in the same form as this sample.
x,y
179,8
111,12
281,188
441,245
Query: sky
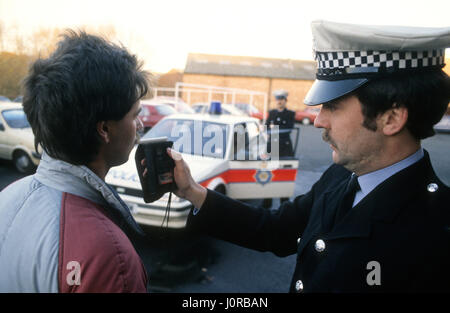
x,y
163,32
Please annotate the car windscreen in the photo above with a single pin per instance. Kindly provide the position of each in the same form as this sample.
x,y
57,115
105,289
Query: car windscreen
x,y
16,118
253,109
248,108
313,110
198,108
193,137
5,99
183,108
165,109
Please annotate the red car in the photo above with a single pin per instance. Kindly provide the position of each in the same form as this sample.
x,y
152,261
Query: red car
x,y
151,113
307,116
178,104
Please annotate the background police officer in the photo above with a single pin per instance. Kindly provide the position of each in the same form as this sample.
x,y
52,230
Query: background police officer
x,y
284,119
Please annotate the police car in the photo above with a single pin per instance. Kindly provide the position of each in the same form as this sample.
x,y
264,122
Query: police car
x,y
225,153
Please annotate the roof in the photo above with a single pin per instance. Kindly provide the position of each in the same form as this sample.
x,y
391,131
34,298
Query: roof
x,y
10,105
220,118
230,107
226,65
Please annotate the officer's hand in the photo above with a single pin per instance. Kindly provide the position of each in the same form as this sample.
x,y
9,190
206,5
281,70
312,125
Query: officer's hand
x,y
187,188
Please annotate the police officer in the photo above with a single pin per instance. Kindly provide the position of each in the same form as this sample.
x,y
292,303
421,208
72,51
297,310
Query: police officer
x,y
378,219
284,119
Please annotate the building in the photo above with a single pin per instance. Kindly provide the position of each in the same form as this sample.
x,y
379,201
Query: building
x,y
253,73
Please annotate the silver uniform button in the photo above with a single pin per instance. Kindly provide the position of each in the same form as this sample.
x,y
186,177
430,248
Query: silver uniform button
x,y
432,187
299,286
320,245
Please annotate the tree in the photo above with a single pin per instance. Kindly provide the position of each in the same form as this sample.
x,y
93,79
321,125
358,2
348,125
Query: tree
x,y
13,67
27,48
44,41
170,78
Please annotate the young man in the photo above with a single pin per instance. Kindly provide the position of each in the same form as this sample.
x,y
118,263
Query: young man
x,y
63,229
378,220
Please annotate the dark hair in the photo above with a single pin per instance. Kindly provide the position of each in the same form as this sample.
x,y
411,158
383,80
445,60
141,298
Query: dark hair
x,y
85,80
425,94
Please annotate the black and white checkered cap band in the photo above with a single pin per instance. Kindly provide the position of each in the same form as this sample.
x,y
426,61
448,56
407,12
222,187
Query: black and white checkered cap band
x,y
371,62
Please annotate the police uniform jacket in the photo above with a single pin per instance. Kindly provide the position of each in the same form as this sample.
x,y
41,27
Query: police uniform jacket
x,y
397,238
285,120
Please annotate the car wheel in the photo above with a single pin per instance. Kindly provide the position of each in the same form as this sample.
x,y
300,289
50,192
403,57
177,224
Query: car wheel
x,y
306,121
220,189
23,163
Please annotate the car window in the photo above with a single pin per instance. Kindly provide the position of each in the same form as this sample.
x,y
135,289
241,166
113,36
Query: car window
x,y
252,147
181,107
209,140
145,111
313,110
240,106
253,109
240,142
225,111
5,99
198,108
247,108
232,110
165,109
252,129
16,118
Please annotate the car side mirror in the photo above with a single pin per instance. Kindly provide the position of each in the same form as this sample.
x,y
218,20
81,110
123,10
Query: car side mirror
x,y
2,128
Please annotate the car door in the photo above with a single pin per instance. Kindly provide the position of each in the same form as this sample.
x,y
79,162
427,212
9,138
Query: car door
x,y
154,116
5,145
251,174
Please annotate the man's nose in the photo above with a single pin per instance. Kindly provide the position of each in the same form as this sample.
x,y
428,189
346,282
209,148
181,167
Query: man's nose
x,y
321,120
139,124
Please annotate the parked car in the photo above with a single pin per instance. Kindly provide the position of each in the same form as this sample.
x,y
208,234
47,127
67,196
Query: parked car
x,y
444,125
177,103
4,99
307,116
152,113
250,110
226,109
18,99
218,162
16,138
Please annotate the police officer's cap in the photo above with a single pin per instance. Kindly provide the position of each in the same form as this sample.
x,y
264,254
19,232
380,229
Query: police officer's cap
x,y
348,56
280,94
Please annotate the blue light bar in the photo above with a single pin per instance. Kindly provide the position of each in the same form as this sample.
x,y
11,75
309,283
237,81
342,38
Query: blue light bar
x,y
215,107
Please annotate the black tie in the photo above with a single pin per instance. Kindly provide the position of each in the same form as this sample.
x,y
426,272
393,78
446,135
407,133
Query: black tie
x,y
348,198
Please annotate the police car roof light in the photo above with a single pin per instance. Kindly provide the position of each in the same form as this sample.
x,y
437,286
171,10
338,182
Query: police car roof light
x,y
215,107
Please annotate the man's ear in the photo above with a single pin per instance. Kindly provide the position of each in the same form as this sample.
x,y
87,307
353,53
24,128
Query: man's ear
x,y
394,120
103,131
